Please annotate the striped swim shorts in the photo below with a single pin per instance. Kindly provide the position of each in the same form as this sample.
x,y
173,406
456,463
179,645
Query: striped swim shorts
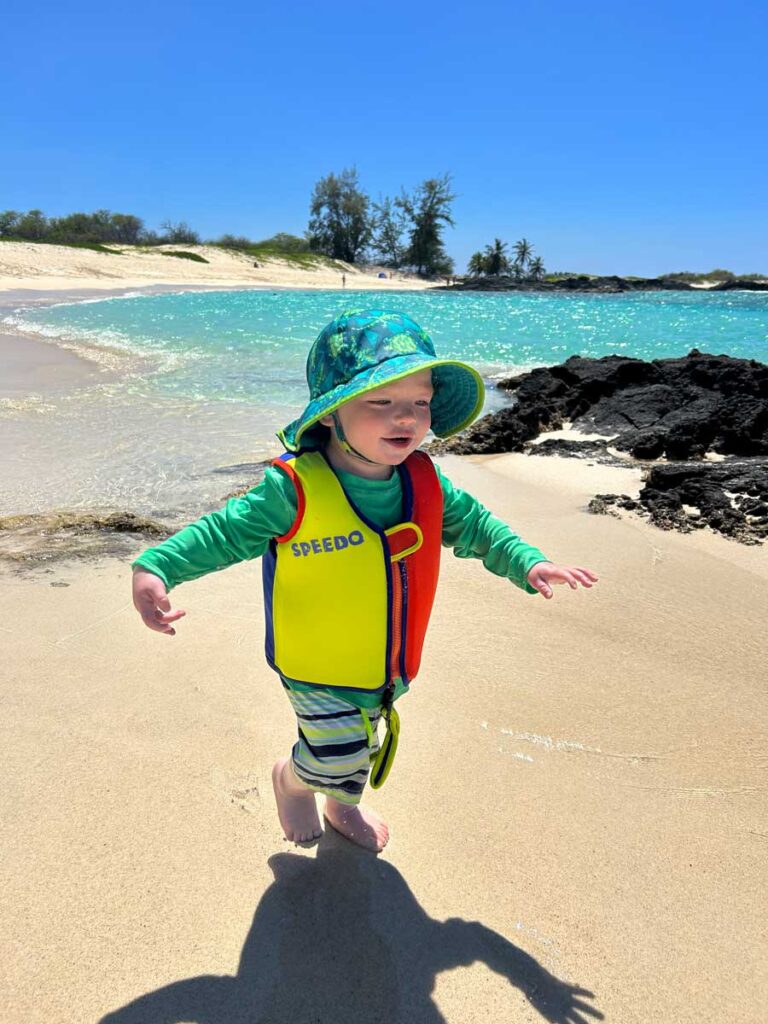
x,y
334,750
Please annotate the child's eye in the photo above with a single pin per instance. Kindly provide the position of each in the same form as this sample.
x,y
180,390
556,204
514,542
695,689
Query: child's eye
x,y
379,401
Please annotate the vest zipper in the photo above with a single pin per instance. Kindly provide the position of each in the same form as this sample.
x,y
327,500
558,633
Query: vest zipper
x,y
403,617
397,618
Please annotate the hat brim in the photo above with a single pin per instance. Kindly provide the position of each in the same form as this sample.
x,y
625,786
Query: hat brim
x,y
457,401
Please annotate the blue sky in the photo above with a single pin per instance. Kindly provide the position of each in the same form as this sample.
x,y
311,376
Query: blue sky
x,y
616,138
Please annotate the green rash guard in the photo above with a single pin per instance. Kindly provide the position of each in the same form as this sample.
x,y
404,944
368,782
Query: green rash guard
x,y
243,529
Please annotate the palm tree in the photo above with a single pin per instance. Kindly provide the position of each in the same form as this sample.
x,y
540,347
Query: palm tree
x,y
536,268
476,265
523,253
496,261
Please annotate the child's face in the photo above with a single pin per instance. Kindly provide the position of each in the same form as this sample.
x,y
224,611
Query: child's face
x,y
385,425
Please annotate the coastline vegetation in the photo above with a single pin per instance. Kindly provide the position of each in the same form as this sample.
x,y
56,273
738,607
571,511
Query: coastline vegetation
x,y
282,246
345,227
181,255
91,229
494,261
403,233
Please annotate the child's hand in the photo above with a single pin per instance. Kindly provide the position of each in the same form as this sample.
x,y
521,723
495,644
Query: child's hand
x,y
545,573
150,599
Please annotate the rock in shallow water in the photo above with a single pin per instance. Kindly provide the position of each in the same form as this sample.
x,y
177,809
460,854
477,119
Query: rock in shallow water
x,y
51,537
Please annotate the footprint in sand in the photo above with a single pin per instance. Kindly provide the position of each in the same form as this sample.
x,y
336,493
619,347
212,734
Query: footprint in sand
x,y
247,799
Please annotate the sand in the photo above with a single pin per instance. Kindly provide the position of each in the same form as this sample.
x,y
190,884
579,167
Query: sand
x,y
578,800
31,365
29,265
578,805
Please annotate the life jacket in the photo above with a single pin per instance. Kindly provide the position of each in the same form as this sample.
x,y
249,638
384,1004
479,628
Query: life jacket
x,y
347,603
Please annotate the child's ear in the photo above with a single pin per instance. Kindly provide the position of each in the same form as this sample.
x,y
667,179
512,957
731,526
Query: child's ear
x,y
327,421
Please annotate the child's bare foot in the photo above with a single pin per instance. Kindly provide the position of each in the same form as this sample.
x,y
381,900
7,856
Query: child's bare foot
x,y
357,824
296,805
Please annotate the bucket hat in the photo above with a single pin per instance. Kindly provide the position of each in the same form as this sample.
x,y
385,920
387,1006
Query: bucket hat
x,y
363,349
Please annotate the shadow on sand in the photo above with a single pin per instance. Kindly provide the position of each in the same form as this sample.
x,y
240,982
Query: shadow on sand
x,y
340,939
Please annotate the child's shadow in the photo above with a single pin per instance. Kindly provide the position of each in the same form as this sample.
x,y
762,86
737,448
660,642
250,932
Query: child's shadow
x,y
340,939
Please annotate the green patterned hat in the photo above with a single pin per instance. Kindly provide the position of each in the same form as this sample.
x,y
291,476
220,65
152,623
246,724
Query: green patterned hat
x,y
363,349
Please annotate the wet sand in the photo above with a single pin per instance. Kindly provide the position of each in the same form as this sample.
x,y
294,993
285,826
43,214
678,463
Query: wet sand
x,y
31,366
578,802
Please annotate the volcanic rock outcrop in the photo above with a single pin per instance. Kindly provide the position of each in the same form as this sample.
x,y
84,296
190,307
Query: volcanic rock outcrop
x,y
675,409
587,283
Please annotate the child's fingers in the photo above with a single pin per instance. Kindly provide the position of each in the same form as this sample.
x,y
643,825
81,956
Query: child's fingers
x,y
172,616
586,572
160,622
543,578
585,577
152,621
564,576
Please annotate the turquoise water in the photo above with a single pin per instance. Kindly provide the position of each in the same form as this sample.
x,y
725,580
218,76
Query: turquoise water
x,y
196,384
245,345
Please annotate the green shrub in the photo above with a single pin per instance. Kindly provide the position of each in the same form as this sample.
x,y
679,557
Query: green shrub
x,y
185,256
96,246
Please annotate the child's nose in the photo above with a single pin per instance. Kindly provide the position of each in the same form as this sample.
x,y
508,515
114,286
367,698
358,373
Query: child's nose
x,y
405,413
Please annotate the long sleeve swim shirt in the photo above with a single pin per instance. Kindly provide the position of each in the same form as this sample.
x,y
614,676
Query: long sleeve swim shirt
x,y
244,527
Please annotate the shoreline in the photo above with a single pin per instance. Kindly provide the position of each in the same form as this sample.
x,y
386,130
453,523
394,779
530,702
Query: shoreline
x,y
27,353
31,365
39,371
37,357
18,293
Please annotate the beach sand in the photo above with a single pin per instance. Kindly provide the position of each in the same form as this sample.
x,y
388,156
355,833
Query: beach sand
x,y
29,365
578,799
33,266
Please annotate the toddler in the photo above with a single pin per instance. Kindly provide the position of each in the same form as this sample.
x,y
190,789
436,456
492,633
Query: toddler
x,y
349,523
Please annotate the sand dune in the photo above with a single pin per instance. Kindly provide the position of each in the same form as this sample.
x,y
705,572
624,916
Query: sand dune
x,y
37,266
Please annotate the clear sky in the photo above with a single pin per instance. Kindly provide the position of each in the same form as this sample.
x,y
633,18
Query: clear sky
x,y
616,137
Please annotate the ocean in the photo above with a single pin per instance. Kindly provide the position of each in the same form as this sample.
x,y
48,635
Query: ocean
x,y
197,383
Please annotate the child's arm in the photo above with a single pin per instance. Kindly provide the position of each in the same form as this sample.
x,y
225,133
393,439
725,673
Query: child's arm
x,y
473,532
239,531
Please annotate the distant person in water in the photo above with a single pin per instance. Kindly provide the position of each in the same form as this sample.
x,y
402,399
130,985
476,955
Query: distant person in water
x,y
350,523
343,280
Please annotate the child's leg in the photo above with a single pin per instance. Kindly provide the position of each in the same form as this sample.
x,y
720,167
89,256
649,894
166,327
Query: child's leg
x,y
296,805
332,757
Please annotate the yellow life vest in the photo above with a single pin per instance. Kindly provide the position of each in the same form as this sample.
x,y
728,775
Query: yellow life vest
x,y
346,603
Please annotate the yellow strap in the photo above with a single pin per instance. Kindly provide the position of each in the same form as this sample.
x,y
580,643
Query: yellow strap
x,y
414,547
368,728
381,767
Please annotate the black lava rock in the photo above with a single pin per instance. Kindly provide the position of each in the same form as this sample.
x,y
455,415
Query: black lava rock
x,y
729,497
678,409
